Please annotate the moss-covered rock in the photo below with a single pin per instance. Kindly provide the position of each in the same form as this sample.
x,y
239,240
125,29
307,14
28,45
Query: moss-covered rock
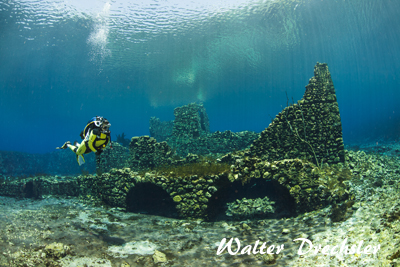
x,y
56,250
114,156
310,187
310,129
190,121
250,208
146,152
159,257
177,198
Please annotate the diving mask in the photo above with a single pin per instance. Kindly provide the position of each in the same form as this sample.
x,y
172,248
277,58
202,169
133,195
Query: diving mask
x,y
99,121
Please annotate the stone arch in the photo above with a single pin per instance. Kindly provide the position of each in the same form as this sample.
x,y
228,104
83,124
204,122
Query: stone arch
x,y
256,188
31,189
149,198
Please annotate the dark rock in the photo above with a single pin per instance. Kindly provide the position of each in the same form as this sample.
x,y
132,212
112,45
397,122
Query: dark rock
x,y
217,142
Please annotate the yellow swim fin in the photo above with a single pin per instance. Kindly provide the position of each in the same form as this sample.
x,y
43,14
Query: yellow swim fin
x,y
80,159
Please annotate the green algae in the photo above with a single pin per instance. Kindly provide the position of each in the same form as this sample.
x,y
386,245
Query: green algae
x,y
205,166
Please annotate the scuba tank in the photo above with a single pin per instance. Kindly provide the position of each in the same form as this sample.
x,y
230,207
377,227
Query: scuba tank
x,y
94,122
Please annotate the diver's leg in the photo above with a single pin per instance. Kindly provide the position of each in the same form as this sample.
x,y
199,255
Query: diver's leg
x,y
64,146
78,149
72,147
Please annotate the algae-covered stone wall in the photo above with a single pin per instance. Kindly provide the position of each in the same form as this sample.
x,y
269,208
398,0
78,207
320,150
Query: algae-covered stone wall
x,y
310,186
146,152
190,133
217,142
113,156
190,121
307,186
112,187
191,195
310,129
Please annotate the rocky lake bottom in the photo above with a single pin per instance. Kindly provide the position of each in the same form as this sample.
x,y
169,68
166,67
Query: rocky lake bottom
x,y
56,231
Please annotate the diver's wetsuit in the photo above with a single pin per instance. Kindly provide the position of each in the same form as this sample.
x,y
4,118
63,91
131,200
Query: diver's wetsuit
x,y
94,141
96,137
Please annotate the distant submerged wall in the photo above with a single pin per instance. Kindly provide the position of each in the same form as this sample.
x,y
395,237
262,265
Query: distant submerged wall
x,y
310,129
190,133
61,162
191,121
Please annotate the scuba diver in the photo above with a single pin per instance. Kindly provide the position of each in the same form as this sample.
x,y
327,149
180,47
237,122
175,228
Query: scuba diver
x,y
96,137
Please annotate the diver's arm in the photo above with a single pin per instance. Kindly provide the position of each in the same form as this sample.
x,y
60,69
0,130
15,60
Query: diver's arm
x,y
92,139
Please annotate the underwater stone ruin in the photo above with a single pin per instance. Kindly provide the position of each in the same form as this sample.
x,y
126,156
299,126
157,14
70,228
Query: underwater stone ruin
x,y
147,153
36,187
217,142
191,121
301,187
114,156
190,133
284,163
310,129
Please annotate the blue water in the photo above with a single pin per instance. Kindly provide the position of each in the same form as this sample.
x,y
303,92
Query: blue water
x,y
63,62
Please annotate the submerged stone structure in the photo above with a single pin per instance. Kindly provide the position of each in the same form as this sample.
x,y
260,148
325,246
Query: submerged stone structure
x,y
299,186
217,142
38,186
146,153
310,129
283,164
190,133
113,156
190,121
309,186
